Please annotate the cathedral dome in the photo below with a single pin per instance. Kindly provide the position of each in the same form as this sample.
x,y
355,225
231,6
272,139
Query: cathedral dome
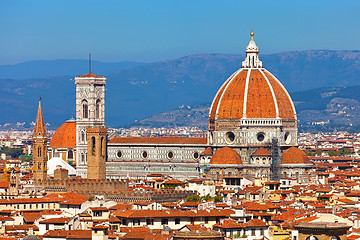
x,y
251,92
226,155
261,152
65,136
295,155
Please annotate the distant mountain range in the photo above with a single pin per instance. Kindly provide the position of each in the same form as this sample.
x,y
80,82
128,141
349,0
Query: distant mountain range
x,y
136,91
60,67
317,109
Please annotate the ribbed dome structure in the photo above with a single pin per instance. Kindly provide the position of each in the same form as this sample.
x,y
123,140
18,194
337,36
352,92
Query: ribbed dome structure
x,y
252,108
252,93
65,136
226,155
295,155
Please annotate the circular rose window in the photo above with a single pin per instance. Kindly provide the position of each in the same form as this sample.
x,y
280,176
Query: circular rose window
x,y
230,137
144,154
260,137
170,155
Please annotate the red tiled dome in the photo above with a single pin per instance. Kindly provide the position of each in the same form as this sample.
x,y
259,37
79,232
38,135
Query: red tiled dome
x,y
261,152
207,151
252,93
65,136
226,155
295,155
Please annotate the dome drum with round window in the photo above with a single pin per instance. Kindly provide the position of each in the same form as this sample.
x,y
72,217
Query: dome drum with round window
x,y
144,155
170,155
119,154
252,102
196,155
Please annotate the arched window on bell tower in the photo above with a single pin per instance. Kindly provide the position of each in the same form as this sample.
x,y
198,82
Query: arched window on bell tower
x,y
93,145
82,161
82,134
85,109
97,108
103,147
39,151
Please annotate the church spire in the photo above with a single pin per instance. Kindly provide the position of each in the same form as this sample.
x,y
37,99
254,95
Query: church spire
x,y
39,128
252,54
40,153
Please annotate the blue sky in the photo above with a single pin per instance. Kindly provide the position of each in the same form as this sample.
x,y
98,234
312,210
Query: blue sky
x,y
148,31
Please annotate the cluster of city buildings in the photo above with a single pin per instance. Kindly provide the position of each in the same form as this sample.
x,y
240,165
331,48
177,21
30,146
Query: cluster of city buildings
x,y
251,177
184,131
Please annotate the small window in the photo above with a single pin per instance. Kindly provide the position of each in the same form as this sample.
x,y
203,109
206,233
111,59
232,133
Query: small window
x,y
144,155
85,109
196,155
136,222
70,154
123,222
119,154
82,136
287,138
260,137
170,155
206,219
164,221
230,137
177,220
97,108
93,146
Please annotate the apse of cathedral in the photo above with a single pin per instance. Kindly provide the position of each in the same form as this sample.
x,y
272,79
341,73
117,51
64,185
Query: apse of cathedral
x,y
252,133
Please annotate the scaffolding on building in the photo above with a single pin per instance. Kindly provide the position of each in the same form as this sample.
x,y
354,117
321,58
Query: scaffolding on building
x,y
275,164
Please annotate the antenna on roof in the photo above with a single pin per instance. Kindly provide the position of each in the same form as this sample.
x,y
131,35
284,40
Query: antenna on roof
x,y
89,62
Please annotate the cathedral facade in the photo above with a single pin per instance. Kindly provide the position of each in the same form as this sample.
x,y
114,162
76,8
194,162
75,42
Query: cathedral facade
x,y
252,132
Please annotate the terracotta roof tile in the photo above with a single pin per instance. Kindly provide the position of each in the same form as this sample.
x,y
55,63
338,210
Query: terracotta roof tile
x,y
229,100
226,155
295,155
65,136
207,151
4,184
90,75
72,234
61,220
286,110
173,181
261,152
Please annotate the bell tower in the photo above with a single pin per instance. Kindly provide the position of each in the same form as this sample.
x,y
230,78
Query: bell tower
x,y
39,149
90,112
96,152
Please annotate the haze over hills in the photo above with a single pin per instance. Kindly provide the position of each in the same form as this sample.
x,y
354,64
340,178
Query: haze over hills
x,y
137,91
60,67
324,108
